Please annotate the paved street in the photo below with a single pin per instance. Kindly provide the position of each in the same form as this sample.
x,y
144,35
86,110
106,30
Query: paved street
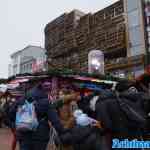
x,y
5,139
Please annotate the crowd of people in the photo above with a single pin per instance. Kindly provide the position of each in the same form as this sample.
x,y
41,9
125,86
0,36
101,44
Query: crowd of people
x,y
79,120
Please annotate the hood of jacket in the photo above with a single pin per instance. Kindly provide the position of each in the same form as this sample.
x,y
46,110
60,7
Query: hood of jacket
x,y
134,97
38,93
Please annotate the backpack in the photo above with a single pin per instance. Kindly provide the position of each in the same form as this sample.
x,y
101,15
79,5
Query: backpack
x,y
135,115
26,119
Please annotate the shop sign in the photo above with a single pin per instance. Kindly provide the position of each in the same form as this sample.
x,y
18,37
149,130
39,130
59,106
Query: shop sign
x,y
38,66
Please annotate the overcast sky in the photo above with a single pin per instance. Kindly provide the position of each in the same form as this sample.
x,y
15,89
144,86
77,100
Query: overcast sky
x,y
23,22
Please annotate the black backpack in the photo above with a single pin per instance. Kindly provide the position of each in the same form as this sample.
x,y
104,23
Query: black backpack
x,y
135,114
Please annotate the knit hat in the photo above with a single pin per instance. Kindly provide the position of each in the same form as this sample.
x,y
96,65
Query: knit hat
x,y
124,85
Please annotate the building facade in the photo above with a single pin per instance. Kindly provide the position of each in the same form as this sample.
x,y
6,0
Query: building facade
x,y
134,63
118,31
29,60
147,27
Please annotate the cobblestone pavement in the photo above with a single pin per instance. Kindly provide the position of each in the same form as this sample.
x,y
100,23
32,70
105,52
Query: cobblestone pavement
x,y
5,139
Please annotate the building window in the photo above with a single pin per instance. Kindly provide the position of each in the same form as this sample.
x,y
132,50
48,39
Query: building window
x,y
132,4
133,18
136,50
113,14
118,11
15,70
21,69
104,15
135,36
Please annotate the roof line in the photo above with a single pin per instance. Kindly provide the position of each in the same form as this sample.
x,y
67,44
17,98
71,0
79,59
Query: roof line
x,y
24,49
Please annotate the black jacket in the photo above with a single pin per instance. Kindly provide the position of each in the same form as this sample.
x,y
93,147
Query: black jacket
x,y
86,138
114,119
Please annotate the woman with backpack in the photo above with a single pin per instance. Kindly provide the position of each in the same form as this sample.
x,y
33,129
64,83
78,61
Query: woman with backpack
x,y
37,137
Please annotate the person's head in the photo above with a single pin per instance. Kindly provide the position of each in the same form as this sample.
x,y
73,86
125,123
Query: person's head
x,y
66,94
28,95
126,86
64,91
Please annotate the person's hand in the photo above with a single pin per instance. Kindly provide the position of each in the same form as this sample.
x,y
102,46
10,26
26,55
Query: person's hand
x,y
97,124
70,123
50,124
78,97
69,97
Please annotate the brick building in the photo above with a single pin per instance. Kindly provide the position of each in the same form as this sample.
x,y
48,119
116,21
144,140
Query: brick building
x,y
70,37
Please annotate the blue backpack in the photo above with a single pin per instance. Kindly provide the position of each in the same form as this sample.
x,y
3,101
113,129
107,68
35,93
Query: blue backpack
x,y
26,119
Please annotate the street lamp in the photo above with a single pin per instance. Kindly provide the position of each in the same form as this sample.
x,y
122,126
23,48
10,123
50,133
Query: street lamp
x,y
96,62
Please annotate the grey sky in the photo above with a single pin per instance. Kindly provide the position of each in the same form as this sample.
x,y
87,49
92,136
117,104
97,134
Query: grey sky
x,y
23,22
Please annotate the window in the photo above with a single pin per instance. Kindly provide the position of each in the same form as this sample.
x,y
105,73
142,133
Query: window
x,y
15,70
113,13
133,18
137,50
21,69
25,68
30,66
135,36
118,10
104,15
15,60
132,4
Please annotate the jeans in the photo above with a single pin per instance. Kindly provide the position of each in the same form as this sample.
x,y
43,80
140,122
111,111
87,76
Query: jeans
x,y
27,144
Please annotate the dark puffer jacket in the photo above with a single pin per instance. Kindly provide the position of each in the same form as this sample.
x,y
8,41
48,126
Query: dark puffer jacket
x,y
86,138
114,119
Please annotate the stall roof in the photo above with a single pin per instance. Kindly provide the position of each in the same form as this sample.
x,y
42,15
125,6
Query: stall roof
x,y
108,79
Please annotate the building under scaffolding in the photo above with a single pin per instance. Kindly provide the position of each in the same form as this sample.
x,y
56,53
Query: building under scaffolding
x,y
117,30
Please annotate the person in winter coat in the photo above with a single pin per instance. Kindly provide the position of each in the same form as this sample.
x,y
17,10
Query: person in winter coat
x,y
38,139
116,122
85,124
89,104
10,124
